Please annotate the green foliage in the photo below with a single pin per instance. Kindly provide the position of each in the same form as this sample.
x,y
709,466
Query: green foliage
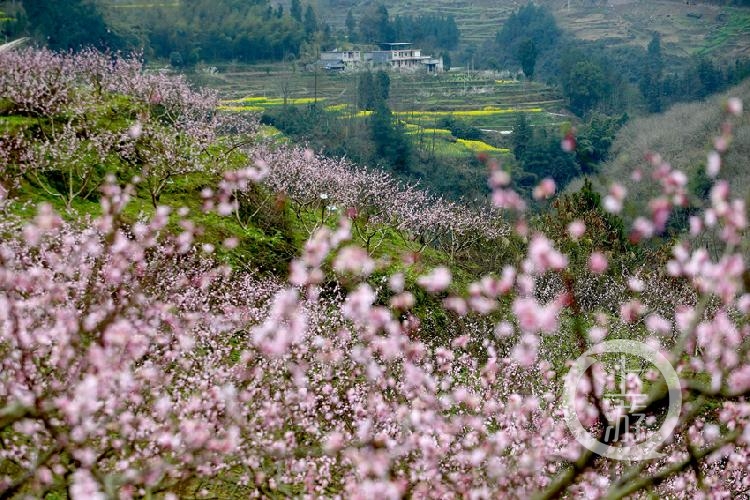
x,y
595,139
232,30
530,22
545,158
429,31
374,25
351,27
373,90
392,146
13,20
585,86
311,21
460,129
526,55
609,78
542,157
522,136
69,25
651,83
604,232
699,184
296,11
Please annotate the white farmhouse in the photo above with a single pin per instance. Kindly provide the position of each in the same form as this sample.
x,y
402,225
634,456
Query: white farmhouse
x,y
393,56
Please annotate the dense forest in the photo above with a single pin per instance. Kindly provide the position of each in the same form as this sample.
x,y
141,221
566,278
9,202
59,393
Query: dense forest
x,y
200,30
203,30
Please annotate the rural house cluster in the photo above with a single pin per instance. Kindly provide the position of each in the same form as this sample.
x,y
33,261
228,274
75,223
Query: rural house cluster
x,y
394,56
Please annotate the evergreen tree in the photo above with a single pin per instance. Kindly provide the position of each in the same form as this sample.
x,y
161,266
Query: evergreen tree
x,y
522,135
585,86
545,158
382,86
392,145
366,91
526,55
374,25
531,22
351,26
70,25
296,10
651,83
311,21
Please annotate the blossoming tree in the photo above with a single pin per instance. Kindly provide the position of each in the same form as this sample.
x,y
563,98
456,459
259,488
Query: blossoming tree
x,y
134,363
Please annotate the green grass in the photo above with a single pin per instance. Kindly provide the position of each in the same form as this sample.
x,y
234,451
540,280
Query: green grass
x,y
9,124
736,27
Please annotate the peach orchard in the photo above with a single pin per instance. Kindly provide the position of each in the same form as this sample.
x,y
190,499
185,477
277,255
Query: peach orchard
x,y
133,362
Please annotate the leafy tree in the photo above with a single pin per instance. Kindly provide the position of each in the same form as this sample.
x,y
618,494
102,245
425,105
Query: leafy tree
x,y
595,139
651,83
311,21
296,11
392,145
446,56
545,158
366,91
232,29
526,55
460,128
69,25
529,23
585,86
429,31
382,86
522,136
374,25
710,77
351,26
13,21
373,90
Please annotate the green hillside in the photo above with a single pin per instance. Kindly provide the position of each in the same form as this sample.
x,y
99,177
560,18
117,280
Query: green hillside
x,y
422,102
682,135
687,28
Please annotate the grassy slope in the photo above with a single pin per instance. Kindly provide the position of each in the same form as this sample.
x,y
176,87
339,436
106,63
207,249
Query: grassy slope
x,y
268,242
683,135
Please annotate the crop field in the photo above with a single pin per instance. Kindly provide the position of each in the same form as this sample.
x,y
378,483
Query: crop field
x,y
422,102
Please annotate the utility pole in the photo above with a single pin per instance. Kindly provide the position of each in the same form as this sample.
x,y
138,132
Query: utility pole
x,y
315,85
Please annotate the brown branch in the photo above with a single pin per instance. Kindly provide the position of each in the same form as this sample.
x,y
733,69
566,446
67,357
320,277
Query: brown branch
x,y
656,479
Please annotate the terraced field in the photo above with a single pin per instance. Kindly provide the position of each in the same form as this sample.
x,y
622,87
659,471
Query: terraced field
x,y
421,101
686,27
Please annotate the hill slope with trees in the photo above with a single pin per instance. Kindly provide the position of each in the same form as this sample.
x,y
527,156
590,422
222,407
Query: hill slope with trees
x,y
394,344
682,135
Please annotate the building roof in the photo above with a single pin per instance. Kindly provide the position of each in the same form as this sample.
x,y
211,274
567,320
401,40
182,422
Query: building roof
x,y
394,45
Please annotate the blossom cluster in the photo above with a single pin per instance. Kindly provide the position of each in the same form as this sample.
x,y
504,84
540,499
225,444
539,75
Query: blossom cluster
x,y
376,200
